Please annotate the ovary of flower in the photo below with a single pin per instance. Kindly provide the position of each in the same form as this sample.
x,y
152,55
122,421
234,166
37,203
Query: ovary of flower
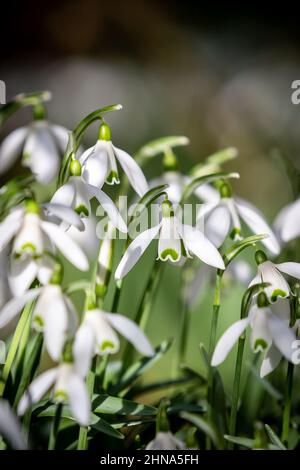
x,y
31,236
99,164
270,333
67,385
222,218
41,144
270,273
98,335
175,240
54,315
77,193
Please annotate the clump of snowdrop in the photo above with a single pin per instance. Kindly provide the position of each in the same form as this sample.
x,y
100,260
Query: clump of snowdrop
x,y
40,144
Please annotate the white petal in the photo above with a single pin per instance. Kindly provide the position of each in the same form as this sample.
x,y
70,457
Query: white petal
x,y
109,207
95,166
30,237
87,153
169,243
84,348
66,245
37,390
45,269
257,224
82,199
10,428
131,332
207,193
282,309
271,275
10,226
41,154
135,250
271,361
217,225
283,336
133,172
261,336
107,341
228,340
87,239
287,221
11,148
21,274
66,214
2,352
65,195
292,269
281,217
79,399
61,135
15,305
198,244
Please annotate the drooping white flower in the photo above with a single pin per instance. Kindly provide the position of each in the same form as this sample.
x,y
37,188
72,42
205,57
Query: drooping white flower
x,y
41,144
223,218
287,224
165,441
54,315
270,333
31,237
10,428
175,241
270,273
67,386
98,335
99,164
77,193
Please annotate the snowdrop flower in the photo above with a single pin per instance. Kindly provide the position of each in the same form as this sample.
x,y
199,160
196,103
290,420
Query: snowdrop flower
x,y
223,218
77,193
287,222
98,335
165,441
270,334
175,241
10,428
270,273
41,144
99,164
54,315
176,182
67,386
31,237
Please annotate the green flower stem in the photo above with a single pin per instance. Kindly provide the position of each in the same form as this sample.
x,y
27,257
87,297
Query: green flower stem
x,y
55,427
90,382
212,343
287,404
25,317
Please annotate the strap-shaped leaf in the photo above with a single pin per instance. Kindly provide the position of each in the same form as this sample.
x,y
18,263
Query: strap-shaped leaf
x,y
239,246
107,404
203,425
274,438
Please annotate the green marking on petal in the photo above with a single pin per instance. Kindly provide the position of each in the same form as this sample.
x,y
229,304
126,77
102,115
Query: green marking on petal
x,y
113,178
236,231
60,396
278,293
82,210
170,254
28,247
25,156
107,344
260,345
38,322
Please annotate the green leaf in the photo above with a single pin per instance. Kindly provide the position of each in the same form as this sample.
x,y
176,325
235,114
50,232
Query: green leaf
x,y
266,385
239,246
222,156
148,198
274,438
196,182
241,441
203,425
157,146
137,369
107,404
20,101
75,286
94,116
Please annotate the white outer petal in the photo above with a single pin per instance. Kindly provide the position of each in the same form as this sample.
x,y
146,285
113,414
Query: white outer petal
x,y
11,148
283,336
37,389
61,135
109,207
94,169
198,244
65,213
10,428
79,399
15,305
66,245
65,194
10,226
133,172
292,269
217,225
271,361
21,274
228,340
286,222
131,332
84,348
135,250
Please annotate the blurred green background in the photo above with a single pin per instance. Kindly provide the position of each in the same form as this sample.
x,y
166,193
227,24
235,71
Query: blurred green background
x,y
221,76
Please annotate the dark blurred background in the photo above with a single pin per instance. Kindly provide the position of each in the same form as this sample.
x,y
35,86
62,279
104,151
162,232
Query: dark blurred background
x,y
220,74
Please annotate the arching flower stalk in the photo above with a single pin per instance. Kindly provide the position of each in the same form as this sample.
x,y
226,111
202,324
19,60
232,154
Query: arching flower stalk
x,y
99,164
41,145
